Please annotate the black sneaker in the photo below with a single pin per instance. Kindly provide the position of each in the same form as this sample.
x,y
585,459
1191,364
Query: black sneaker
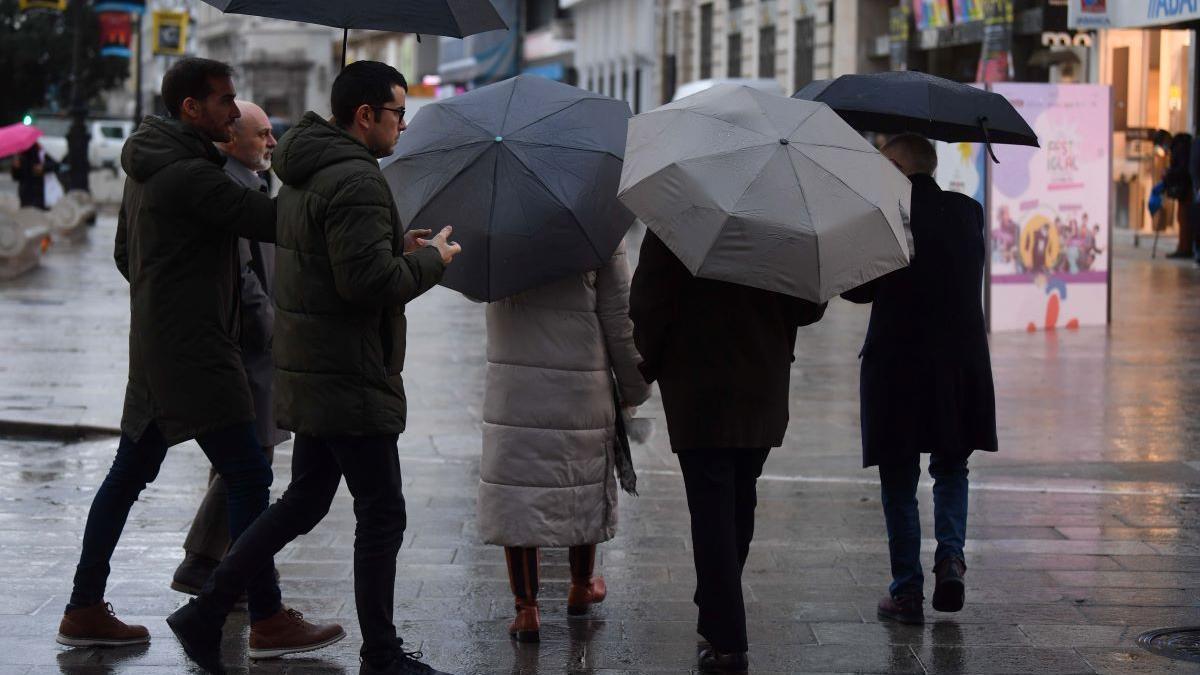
x,y
902,608
712,661
950,590
401,663
199,635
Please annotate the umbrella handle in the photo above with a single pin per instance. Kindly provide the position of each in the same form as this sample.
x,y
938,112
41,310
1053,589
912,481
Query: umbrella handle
x,y
987,139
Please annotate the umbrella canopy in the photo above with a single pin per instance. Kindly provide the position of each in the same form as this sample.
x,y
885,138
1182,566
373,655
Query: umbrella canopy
x,y
526,171
17,138
454,18
903,101
766,191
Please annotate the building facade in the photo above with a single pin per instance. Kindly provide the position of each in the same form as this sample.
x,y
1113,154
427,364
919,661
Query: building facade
x,y
616,49
790,41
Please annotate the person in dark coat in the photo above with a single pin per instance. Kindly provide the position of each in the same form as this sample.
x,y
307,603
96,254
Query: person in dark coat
x,y
177,232
721,354
345,271
30,169
926,381
247,156
1178,183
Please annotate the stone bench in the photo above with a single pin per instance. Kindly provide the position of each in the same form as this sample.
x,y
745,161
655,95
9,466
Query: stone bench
x,y
23,237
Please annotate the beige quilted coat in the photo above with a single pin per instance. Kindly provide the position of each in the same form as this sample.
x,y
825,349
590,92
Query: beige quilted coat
x,y
546,475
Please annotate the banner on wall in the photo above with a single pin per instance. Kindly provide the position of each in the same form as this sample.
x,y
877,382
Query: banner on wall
x,y
930,13
968,10
1049,211
116,34
898,36
42,5
169,30
995,61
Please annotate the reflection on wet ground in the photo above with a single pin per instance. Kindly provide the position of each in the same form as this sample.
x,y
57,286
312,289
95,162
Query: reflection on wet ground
x,y
1083,528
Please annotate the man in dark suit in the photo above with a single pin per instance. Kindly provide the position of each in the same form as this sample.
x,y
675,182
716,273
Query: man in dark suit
x,y
926,382
247,155
721,354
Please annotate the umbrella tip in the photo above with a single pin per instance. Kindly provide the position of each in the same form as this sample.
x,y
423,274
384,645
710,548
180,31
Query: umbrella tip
x,y
499,139
784,141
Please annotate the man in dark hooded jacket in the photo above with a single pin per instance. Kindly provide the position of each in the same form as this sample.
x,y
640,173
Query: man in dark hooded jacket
x,y
344,271
177,233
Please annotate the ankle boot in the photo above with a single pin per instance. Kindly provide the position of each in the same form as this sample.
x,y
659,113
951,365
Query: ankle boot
x,y
523,568
585,589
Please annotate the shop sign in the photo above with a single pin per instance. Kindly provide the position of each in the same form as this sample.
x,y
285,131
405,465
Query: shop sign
x,y
42,5
170,32
1130,13
116,34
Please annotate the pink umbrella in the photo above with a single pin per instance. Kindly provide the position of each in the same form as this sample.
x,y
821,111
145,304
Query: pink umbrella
x,y
16,138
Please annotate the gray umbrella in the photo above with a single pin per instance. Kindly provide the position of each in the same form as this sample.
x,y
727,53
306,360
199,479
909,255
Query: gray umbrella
x,y
526,171
765,191
453,18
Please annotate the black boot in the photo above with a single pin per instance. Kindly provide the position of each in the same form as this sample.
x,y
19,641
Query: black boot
x,y
713,661
950,590
200,636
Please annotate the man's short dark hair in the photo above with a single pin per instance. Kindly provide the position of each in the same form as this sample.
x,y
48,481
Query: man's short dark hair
x,y
917,149
363,83
190,78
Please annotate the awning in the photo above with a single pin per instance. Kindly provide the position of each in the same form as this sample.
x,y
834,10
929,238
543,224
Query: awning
x,y
1131,13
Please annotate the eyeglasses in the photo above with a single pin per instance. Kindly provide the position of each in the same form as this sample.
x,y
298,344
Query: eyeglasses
x,y
399,111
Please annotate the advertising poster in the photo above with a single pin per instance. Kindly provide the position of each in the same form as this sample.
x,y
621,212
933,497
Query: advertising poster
x,y
931,13
995,61
961,169
968,10
1049,211
116,34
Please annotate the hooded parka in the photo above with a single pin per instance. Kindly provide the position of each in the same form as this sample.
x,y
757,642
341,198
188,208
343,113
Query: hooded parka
x,y
341,282
177,245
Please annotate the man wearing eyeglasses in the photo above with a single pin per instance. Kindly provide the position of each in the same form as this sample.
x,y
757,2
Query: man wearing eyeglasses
x,y
344,272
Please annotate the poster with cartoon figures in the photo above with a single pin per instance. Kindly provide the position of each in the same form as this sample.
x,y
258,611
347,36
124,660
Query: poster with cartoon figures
x,y
1050,211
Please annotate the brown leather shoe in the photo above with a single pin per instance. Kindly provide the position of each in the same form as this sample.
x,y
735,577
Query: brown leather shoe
x,y
902,608
527,626
286,632
951,589
98,626
583,595
712,661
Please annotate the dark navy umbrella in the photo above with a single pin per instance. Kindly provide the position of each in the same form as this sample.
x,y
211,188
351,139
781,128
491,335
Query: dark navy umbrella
x,y
907,101
453,18
526,170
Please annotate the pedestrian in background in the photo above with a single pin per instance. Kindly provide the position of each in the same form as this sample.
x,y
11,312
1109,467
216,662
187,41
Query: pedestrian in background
x,y
247,156
721,354
32,170
1178,186
926,382
177,245
549,449
345,271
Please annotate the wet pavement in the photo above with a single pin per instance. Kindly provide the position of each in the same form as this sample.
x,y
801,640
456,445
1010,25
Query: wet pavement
x,y
1082,529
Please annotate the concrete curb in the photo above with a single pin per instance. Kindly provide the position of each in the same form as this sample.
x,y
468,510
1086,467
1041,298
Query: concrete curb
x,y
64,432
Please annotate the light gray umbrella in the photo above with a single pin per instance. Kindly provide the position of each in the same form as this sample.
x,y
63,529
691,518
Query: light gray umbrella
x,y
766,191
526,171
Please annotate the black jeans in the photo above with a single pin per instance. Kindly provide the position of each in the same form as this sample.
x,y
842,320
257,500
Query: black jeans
x,y
721,494
236,456
372,469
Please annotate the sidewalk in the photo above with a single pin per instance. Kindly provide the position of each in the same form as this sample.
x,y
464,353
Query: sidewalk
x,y
1082,529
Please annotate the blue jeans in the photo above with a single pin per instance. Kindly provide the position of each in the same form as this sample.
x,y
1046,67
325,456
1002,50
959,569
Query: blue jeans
x,y
898,487
236,456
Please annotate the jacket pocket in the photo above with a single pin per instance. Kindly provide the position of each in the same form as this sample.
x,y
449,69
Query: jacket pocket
x,y
392,330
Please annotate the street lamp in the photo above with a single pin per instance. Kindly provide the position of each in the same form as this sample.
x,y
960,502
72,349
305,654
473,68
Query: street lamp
x,y
77,136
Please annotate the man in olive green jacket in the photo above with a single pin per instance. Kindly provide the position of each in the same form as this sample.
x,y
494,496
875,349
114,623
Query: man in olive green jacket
x,y
344,271
177,233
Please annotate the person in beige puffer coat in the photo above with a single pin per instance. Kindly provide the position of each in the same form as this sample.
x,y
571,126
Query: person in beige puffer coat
x,y
546,475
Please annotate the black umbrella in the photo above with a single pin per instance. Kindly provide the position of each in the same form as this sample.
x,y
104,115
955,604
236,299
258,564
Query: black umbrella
x,y
937,108
526,170
453,18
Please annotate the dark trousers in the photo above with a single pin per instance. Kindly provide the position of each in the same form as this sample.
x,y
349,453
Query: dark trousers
x,y
898,488
721,496
234,453
371,466
208,537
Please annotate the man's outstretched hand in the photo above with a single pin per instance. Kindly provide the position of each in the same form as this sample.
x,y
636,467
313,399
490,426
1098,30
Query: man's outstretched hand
x,y
442,243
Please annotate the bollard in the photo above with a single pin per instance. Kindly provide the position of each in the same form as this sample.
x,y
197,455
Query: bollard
x,y
22,234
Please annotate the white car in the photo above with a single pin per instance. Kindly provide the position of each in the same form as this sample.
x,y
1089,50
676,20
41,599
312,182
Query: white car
x,y
104,148
698,86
